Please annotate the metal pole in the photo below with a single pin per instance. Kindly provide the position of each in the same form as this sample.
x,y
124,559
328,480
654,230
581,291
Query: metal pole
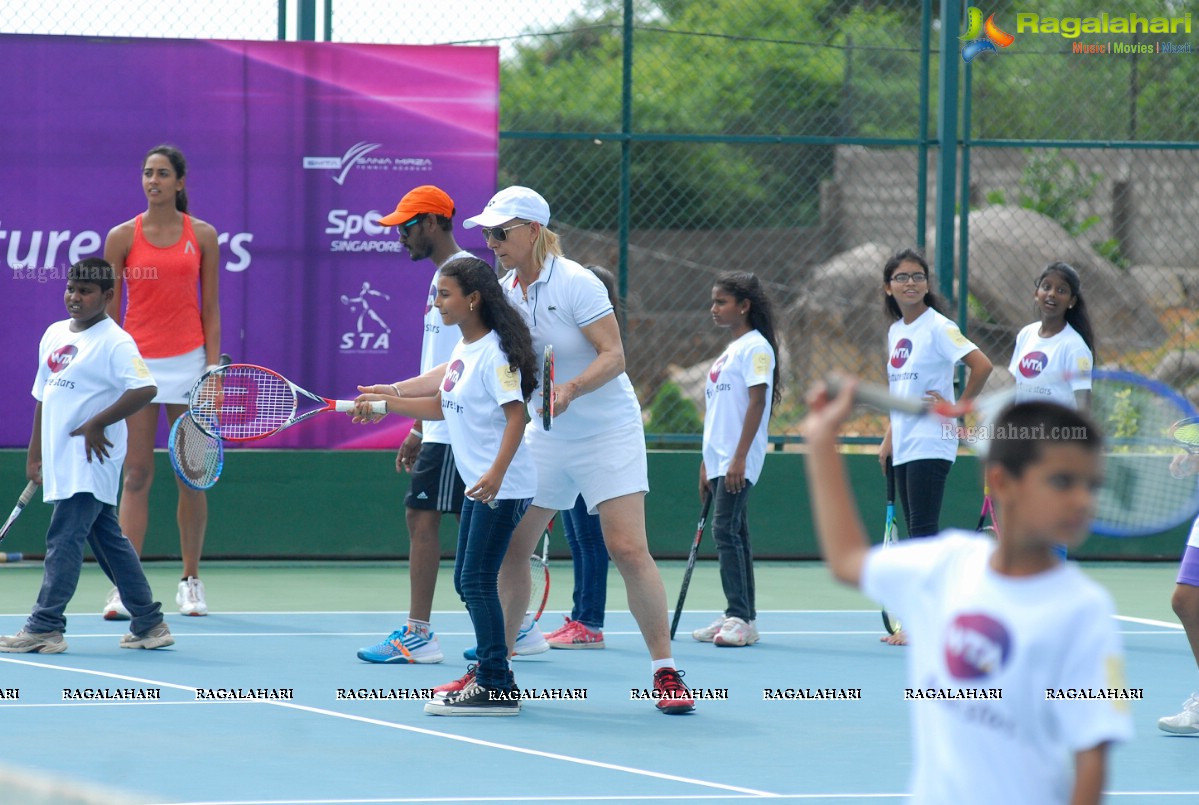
x,y
947,136
626,161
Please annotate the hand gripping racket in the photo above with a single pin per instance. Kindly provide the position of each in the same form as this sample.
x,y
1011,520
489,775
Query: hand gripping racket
x,y
242,401
890,538
699,535
539,570
22,501
547,388
1137,416
196,456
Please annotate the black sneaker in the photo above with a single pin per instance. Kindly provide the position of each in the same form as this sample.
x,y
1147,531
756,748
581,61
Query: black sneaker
x,y
476,700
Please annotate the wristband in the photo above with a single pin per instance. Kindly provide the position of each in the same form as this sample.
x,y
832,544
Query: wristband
x,y
211,367
418,434
396,388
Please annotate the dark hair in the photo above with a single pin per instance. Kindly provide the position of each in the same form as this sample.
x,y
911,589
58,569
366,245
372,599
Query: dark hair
x,y
443,223
747,288
609,281
93,269
179,163
1076,316
472,275
890,306
1021,431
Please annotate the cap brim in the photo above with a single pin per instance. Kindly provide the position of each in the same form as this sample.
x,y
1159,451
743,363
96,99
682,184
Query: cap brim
x,y
396,218
486,218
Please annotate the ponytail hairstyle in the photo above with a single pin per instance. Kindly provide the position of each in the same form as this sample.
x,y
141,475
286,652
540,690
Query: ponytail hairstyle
x,y
516,342
890,306
745,287
179,163
1076,316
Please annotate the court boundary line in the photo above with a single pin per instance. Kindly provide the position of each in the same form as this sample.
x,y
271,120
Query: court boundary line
x,y
754,793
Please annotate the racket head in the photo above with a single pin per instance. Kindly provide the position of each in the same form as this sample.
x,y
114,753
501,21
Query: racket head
x,y
242,401
1186,433
196,455
547,388
539,573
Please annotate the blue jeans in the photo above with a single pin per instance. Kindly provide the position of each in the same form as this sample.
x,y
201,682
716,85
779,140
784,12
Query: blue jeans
x,y
483,537
75,520
590,559
920,487
730,527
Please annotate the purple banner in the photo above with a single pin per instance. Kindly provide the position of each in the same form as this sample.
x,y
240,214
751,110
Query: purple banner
x,y
294,151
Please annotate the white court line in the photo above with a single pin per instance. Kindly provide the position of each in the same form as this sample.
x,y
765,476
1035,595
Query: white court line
x,y
419,731
1149,622
580,798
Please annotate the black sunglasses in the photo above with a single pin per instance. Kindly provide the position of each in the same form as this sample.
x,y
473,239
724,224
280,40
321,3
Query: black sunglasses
x,y
500,233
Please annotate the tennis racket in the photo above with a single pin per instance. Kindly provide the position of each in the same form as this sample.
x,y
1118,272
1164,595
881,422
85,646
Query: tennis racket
x,y
988,510
890,538
1140,494
539,569
196,455
26,496
547,388
242,401
1186,433
699,535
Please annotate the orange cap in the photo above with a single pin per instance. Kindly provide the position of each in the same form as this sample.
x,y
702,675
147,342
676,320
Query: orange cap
x,y
423,199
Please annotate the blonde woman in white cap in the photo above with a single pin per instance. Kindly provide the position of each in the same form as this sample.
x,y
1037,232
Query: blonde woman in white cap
x,y
597,446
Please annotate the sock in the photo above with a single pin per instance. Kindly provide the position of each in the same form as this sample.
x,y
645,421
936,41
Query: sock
x,y
658,665
420,627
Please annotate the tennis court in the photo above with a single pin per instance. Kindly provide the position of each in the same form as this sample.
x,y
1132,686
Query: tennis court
x,y
290,630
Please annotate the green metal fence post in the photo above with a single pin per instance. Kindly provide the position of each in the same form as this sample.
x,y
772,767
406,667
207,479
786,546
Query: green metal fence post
x,y
947,135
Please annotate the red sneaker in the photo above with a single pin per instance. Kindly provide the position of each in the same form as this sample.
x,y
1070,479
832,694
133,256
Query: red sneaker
x,y
673,696
441,691
575,635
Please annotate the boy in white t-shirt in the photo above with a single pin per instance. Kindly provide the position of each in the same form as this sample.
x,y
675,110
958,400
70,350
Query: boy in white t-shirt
x,y
90,378
1014,654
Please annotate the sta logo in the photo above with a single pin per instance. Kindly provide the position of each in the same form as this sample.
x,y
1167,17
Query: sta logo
x,y
61,358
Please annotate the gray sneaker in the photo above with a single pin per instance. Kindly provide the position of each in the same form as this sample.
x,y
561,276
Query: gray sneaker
x,y
158,637
23,642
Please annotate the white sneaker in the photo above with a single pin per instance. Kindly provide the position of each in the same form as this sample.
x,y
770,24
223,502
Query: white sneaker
x,y
114,610
708,633
190,597
1186,722
530,640
736,632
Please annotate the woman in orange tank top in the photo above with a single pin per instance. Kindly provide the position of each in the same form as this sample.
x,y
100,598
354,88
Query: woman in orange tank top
x,y
160,257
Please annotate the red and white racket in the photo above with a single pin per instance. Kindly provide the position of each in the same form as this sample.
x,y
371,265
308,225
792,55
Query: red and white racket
x,y
547,388
242,401
539,569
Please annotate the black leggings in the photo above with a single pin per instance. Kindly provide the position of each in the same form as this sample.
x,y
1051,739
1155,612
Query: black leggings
x,y
920,486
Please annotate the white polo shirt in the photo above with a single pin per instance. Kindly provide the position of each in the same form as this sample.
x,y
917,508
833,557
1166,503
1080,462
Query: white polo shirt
x,y
920,359
437,343
477,382
1036,360
565,298
748,361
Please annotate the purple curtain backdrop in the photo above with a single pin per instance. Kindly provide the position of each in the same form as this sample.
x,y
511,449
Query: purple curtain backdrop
x,y
294,150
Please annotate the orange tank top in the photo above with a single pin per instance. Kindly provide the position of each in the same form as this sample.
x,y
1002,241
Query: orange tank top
x,y
162,286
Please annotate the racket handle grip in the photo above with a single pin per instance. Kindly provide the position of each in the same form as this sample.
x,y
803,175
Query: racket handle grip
x,y
349,406
27,494
878,396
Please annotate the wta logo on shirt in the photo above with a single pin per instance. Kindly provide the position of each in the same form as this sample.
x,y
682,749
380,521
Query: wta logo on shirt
x,y
432,296
452,375
976,646
61,358
1032,364
901,353
714,372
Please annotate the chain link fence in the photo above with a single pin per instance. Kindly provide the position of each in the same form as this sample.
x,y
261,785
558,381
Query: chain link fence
x,y
800,141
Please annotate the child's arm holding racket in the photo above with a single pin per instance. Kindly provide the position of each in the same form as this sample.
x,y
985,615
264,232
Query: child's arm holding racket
x,y
414,407
843,540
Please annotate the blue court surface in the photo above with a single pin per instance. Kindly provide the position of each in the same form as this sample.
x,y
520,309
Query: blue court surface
x,y
312,738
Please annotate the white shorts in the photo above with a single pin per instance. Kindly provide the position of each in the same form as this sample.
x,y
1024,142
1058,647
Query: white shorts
x,y
176,375
599,468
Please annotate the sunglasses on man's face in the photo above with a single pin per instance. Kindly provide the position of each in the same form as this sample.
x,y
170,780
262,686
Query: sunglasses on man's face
x,y
500,233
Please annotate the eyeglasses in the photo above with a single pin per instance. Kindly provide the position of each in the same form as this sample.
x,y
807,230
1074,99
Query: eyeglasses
x,y
902,279
405,227
500,233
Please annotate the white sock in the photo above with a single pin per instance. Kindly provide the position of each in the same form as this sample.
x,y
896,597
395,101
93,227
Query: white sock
x,y
660,664
420,627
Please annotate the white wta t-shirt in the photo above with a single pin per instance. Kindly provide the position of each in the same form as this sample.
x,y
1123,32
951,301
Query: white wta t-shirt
x,y
436,345
1036,360
748,361
921,359
1020,640
565,298
78,376
477,382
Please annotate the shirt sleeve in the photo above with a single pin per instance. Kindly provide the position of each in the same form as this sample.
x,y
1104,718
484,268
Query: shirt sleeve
x,y
1093,661
589,299
759,365
502,384
43,371
895,576
128,368
1080,360
951,343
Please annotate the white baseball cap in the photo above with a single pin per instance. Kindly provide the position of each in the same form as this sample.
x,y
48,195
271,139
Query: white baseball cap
x,y
512,202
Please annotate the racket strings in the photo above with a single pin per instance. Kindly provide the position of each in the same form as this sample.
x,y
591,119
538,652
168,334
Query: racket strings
x,y
242,402
199,455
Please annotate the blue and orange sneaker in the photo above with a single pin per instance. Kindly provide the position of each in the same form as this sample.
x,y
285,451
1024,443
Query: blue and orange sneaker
x,y
404,646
